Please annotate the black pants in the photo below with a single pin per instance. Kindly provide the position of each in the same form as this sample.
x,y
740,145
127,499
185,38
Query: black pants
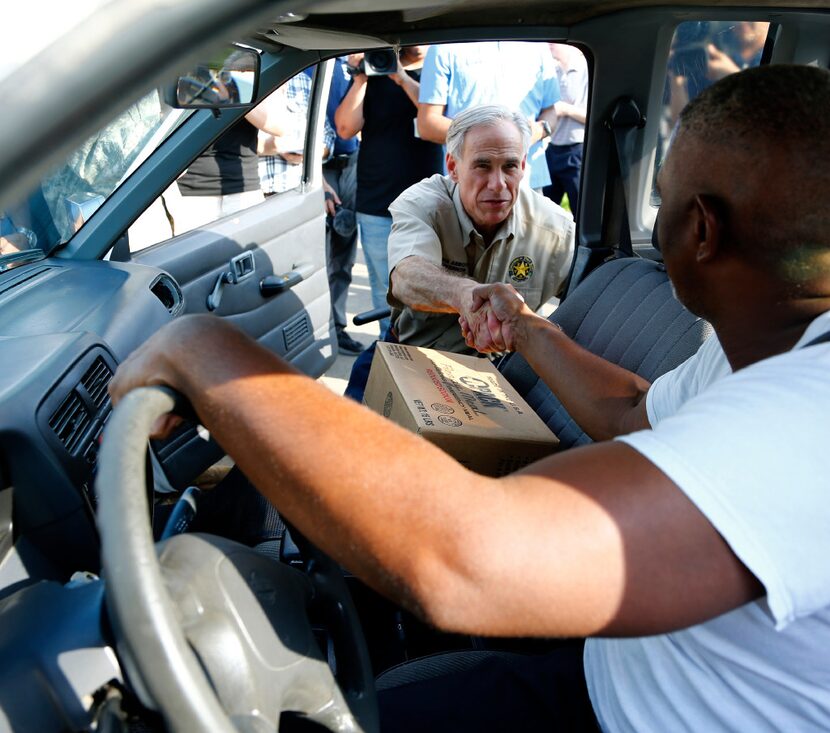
x,y
341,175
508,693
565,165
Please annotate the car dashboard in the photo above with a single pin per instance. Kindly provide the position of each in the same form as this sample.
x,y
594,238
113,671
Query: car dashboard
x,y
66,327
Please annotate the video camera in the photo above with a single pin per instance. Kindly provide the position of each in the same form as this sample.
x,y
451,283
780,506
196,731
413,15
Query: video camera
x,y
377,63
689,56
691,60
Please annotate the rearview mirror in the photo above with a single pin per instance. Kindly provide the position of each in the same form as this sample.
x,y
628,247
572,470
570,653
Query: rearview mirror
x,y
229,79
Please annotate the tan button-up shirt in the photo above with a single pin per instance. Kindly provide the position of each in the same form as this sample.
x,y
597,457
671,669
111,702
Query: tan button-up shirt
x,y
532,251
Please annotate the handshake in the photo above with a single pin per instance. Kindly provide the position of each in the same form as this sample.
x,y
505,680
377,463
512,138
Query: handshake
x,y
495,319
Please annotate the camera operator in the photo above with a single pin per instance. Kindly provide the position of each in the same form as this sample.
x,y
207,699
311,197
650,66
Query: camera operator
x,y
700,57
382,105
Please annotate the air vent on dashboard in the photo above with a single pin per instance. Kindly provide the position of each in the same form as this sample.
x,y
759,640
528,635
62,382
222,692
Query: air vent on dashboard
x,y
167,290
95,382
70,420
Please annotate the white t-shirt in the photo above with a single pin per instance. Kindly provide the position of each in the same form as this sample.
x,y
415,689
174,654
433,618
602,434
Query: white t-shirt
x,y
751,450
573,84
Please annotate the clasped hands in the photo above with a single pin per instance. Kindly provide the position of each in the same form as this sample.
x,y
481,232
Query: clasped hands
x,y
494,320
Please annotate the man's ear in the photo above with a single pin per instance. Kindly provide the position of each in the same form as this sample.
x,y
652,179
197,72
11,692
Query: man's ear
x,y
452,167
524,163
709,223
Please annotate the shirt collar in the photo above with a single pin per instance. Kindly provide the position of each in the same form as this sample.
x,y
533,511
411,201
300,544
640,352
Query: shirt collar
x,y
817,326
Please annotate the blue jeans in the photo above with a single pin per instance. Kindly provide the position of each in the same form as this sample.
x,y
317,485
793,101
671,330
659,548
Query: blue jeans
x,y
359,376
374,235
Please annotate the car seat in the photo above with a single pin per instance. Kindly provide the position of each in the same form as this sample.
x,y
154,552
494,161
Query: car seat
x,y
624,311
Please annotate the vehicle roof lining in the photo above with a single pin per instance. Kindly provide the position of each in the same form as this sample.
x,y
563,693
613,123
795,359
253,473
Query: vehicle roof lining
x,y
330,18
312,39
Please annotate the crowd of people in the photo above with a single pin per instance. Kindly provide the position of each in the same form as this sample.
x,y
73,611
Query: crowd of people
x,y
386,131
406,117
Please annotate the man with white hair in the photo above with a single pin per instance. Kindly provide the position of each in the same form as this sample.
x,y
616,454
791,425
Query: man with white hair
x,y
475,225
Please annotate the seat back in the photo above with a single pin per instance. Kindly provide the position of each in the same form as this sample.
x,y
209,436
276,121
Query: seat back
x,y
624,311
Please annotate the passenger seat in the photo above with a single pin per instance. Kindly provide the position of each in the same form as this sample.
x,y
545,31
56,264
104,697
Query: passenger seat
x,y
624,311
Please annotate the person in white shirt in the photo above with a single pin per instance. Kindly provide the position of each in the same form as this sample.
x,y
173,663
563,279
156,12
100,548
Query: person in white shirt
x,y
564,153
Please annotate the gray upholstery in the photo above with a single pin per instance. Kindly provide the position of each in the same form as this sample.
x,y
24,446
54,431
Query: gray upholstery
x,y
625,312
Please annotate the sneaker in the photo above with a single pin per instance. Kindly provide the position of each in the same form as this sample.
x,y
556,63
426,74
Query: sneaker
x,y
347,346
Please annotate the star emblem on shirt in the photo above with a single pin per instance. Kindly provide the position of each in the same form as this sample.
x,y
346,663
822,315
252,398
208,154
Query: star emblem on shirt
x,y
521,268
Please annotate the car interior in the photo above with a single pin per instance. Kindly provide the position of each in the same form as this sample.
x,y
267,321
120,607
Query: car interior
x,y
91,631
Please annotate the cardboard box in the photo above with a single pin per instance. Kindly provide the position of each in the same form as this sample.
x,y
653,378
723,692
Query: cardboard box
x,y
460,403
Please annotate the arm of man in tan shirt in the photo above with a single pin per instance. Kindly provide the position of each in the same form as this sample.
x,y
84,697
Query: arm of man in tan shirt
x,y
424,286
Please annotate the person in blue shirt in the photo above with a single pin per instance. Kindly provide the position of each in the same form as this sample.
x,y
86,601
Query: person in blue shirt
x,y
518,75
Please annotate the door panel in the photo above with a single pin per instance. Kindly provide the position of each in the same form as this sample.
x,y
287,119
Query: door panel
x,y
285,234
284,237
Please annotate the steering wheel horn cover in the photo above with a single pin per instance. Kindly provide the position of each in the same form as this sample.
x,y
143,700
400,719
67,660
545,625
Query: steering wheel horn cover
x,y
245,616
211,633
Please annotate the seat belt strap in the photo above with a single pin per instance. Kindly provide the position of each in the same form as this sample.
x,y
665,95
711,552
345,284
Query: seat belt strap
x,y
623,122
615,239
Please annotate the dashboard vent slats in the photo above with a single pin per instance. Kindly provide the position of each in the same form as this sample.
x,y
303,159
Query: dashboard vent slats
x,y
89,398
70,420
95,382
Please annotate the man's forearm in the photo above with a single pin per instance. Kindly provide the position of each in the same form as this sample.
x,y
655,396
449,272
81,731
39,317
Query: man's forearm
x,y
410,87
349,115
293,437
564,109
269,115
424,286
538,131
604,399
414,524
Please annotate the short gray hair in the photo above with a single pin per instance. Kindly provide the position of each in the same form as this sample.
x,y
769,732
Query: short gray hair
x,y
485,114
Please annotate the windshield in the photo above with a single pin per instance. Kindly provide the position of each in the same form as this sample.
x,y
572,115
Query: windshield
x,y
64,200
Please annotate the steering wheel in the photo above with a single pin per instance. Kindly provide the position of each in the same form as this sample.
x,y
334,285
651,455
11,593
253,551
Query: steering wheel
x,y
211,633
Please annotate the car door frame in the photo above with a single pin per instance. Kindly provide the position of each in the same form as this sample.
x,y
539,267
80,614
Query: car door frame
x,y
300,212
283,238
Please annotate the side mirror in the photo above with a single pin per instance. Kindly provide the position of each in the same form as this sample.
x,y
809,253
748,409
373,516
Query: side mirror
x,y
229,79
